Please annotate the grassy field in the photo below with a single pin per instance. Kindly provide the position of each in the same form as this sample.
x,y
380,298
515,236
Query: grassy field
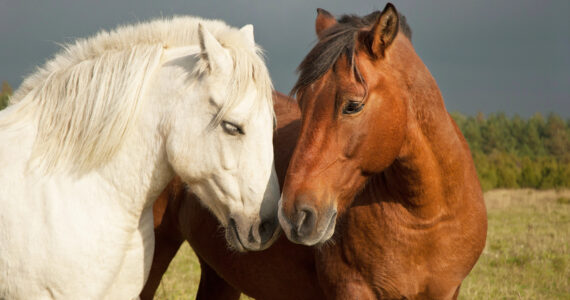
x,y
527,254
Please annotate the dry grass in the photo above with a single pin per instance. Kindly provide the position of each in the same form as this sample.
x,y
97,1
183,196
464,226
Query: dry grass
x,y
527,254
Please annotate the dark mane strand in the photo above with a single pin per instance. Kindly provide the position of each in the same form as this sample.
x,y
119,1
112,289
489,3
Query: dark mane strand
x,y
405,27
337,40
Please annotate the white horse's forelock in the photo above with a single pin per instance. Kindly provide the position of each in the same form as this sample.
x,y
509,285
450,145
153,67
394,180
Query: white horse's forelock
x,y
88,97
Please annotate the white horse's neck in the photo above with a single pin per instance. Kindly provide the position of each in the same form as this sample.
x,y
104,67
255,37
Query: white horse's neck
x,y
108,208
137,173
140,171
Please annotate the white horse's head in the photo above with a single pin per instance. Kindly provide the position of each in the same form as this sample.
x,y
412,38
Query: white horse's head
x,y
219,132
169,95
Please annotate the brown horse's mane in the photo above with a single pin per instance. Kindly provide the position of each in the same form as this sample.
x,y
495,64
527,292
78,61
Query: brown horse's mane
x,y
339,39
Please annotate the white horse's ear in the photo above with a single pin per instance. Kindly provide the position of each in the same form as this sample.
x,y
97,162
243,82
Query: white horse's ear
x,y
247,30
212,51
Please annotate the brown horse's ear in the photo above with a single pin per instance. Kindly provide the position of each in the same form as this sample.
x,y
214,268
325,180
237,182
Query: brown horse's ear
x,y
324,21
385,30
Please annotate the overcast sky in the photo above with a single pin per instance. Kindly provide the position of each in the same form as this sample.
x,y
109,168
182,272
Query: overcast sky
x,y
486,55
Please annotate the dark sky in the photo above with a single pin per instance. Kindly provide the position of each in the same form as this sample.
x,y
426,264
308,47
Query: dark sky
x,y
486,55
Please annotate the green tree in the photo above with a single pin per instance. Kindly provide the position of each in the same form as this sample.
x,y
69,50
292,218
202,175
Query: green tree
x,y
550,172
533,139
486,171
507,169
557,141
5,94
531,175
513,152
472,131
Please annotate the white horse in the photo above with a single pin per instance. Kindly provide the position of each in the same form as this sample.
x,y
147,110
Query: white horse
x,y
93,137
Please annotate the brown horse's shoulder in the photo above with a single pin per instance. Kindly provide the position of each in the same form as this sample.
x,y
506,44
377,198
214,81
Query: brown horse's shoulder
x,y
168,196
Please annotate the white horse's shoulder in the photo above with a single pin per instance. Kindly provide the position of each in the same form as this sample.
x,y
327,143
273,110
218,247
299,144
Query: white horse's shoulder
x,y
67,229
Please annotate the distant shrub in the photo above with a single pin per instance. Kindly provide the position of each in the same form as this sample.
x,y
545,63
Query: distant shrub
x,y
513,152
3,101
5,94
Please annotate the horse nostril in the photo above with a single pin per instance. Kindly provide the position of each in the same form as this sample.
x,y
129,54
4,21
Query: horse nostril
x,y
306,220
267,229
232,224
300,218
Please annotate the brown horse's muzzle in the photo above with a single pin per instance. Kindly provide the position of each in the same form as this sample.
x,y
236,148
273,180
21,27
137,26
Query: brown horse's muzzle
x,y
304,223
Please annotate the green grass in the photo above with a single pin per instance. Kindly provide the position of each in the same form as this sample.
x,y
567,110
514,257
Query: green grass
x,y
182,277
527,255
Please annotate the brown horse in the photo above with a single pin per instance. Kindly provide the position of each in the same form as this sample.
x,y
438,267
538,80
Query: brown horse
x,y
377,149
373,116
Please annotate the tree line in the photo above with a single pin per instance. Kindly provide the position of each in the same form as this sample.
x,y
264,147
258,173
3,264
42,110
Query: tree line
x,y
5,93
508,152
518,153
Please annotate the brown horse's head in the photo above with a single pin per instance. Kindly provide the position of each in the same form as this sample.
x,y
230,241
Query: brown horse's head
x,y
352,91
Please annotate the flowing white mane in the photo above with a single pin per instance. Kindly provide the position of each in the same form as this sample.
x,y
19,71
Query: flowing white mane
x,y
88,97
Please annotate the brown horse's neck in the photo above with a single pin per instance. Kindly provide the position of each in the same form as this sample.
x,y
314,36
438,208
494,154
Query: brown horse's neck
x,y
434,166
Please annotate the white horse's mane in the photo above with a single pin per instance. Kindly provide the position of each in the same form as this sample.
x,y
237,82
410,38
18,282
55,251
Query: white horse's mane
x,y
87,98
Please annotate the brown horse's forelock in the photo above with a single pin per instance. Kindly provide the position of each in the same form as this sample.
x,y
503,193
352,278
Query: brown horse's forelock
x,y
338,39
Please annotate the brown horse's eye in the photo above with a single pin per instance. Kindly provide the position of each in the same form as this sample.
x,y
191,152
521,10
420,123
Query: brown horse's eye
x,y
352,107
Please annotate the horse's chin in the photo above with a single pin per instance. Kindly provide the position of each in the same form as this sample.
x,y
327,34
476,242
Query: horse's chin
x,y
326,235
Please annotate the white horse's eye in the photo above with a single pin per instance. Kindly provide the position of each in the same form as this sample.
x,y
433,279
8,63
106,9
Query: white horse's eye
x,y
231,128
